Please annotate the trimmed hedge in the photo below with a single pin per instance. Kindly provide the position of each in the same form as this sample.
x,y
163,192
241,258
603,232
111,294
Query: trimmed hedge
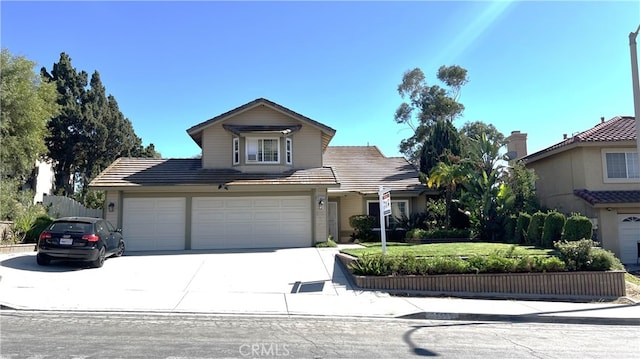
x,y
521,227
418,233
552,230
363,225
577,227
534,231
583,255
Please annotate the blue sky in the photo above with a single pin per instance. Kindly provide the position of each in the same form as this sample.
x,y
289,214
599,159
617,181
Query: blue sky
x,y
544,68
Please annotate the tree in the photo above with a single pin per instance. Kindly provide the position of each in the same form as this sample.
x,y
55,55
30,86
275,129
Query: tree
x,y
429,105
27,104
90,133
522,182
65,130
448,176
474,130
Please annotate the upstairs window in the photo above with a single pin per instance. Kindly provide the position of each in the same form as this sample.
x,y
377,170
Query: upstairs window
x,y
622,165
236,150
288,151
262,150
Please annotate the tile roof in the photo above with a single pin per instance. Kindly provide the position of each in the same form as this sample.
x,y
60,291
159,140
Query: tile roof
x,y
608,197
132,172
619,128
363,168
196,131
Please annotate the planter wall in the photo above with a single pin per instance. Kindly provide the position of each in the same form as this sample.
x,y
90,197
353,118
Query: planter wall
x,y
560,285
17,248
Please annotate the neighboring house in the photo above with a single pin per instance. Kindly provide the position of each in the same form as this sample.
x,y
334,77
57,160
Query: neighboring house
x,y
595,173
42,180
267,178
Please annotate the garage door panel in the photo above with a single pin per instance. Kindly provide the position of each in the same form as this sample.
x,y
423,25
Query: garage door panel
x,y
154,223
251,222
629,235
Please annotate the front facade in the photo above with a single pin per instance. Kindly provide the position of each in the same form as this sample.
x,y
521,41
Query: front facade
x,y
262,182
595,173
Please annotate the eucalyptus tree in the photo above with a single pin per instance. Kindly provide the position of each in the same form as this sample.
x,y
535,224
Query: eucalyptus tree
x,y
429,111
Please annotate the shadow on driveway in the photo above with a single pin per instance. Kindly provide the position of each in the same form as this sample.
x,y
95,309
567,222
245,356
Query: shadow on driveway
x,y
199,251
28,263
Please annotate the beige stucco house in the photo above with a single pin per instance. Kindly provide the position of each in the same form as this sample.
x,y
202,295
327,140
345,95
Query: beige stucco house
x,y
596,173
267,178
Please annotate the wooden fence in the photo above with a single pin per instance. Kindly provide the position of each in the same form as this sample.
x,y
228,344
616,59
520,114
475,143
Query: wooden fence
x,y
60,206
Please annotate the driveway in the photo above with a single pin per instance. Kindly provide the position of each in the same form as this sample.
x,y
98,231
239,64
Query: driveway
x,y
266,281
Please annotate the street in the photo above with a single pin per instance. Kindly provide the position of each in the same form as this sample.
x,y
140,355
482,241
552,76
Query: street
x,y
44,335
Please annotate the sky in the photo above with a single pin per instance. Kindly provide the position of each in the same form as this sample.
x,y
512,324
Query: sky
x,y
545,68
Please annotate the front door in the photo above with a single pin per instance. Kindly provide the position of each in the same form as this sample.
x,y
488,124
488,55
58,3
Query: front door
x,y
333,221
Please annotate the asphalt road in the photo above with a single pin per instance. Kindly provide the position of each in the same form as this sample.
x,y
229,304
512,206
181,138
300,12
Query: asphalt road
x,y
93,335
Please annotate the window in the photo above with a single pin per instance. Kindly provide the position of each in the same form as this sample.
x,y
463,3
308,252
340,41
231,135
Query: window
x,y
622,165
288,151
236,150
262,150
399,209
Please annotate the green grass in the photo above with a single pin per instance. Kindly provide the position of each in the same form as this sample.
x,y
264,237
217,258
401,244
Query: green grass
x,y
631,278
447,249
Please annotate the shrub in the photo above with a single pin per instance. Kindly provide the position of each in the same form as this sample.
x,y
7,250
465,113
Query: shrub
x,y
534,231
372,264
329,243
438,233
577,227
39,225
552,230
583,255
25,219
510,229
521,227
363,226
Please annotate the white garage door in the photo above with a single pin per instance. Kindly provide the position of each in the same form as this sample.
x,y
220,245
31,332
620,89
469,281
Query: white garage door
x,y
153,223
250,222
629,234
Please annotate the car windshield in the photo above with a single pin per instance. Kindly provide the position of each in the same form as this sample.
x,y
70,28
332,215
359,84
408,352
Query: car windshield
x,y
72,227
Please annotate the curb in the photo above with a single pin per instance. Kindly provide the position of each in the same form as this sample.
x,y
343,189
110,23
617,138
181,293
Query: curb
x,y
527,318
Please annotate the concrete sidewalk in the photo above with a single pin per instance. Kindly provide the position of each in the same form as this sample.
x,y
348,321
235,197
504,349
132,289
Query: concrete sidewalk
x,y
254,283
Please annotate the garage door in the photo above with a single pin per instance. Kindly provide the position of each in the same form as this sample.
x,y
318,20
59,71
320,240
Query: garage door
x,y
154,223
251,222
629,234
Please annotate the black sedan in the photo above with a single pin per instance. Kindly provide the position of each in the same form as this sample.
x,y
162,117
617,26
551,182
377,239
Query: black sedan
x,y
80,238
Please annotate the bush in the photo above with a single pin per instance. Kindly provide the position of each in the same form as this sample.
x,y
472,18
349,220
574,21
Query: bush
x,y
534,231
328,244
510,229
552,230
39,225
438,233
363,226
583,255
577,227
521,227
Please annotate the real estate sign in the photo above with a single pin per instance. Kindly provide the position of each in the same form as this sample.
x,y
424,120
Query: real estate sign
x,y
384,196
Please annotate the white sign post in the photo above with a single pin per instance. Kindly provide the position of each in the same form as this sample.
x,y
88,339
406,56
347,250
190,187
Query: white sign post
x,y
384,197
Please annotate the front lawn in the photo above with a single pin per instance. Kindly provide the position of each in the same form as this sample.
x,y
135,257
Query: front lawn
x,y
465,249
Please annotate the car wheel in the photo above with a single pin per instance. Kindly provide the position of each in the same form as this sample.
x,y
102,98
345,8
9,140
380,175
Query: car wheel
x,y
100,260
120,250
42,259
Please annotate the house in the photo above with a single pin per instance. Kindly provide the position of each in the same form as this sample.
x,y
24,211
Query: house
x,y
267,178
595,173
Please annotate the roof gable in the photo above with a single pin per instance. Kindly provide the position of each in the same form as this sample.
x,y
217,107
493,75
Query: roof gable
x,y
364,168
617,129
196,131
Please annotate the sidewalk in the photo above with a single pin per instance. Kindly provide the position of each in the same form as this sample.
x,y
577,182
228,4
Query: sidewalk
x,y
320,292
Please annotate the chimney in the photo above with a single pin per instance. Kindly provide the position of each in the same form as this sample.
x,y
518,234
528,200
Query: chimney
x,y
564,136
601,119
517,145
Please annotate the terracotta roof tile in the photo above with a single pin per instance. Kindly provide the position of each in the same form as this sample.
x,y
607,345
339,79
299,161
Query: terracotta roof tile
x,y
130,172
608,197
364,168
619,128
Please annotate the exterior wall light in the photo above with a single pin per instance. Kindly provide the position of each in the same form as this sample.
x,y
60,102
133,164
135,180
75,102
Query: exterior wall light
x,y
111,206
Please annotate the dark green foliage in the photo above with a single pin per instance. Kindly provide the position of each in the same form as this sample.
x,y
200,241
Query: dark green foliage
x,y
577,227
435,212
328,244
438,233
552,230
442,143
583,255
386,265
39,225
521,227
534,231
521,181
510,229
363,227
